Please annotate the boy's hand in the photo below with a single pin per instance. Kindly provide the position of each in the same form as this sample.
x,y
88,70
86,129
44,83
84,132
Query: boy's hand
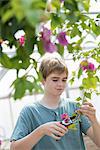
x,y
88,109
54,129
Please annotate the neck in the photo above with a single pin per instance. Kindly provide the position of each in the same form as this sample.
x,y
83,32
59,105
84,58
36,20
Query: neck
x,y
50,101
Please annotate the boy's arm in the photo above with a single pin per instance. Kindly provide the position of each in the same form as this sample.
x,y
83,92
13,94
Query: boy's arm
x,y
53,129
28,141
94,131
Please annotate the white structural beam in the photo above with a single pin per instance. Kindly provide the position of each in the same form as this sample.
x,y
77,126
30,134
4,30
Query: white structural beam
x,y
3,72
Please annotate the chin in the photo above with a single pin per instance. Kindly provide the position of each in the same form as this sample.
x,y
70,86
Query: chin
x,y
58,94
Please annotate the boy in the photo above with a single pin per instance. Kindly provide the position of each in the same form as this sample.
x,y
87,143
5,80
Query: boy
x,y
39,127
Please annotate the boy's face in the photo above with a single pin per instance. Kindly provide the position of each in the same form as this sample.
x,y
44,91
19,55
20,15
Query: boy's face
x,y
55,83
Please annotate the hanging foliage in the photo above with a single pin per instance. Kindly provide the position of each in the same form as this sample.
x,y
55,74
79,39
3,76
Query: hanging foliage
x,y
47,26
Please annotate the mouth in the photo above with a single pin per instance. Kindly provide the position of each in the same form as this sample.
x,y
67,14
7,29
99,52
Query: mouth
x,y
59,89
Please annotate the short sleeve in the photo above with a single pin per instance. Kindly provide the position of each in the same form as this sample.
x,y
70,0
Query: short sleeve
x,y
85,123
22,126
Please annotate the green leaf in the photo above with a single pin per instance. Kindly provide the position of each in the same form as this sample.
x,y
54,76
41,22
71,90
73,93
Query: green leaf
x,y
5,61
78,104
98,16
88,95
81,87
89,83
30,41
40,47
7,15
80,73
18,9
56,21
73,73
29,86
86,4
95,28
71,5
19,87
78,99
37,87
56,3
71,81
16,63
70,48
75,31
98,79
35,16
60,49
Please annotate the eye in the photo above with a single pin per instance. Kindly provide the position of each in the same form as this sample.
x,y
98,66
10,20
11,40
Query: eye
x,y
64,80
54,80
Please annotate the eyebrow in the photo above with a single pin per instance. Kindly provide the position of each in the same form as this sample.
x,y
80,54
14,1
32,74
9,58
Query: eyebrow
x,y
58,77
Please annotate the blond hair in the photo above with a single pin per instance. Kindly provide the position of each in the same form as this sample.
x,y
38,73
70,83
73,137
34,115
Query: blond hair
x,y
52,63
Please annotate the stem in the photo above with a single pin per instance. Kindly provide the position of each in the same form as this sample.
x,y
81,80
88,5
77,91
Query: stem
x,y
17,72
83,98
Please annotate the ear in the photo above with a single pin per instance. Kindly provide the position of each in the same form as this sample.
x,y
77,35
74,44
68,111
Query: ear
x,y
43,81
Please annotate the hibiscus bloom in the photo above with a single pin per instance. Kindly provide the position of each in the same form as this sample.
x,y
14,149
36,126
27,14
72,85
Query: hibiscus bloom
x,y
45,34
91,66
50,47
62,38
85,65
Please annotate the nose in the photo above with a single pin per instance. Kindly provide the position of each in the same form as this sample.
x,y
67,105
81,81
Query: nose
x,y
60,83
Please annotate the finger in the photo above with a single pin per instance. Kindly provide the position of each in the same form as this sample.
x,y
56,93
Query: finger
x,y
88,103
58,133
62,126
55,137
88,108
60,129
87,112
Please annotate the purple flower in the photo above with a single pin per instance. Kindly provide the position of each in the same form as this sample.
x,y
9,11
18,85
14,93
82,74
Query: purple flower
x,y
62,38
50,47
45,35
91,66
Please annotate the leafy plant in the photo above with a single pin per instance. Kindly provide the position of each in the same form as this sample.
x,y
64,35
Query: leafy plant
x,y
67,21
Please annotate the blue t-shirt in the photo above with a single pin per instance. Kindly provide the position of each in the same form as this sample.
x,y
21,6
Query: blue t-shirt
x,y
36,114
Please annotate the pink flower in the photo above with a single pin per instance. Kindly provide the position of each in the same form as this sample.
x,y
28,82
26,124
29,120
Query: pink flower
x,y
50,47
22,40
64,116
45,35
62,38
84,65
91,66
84,68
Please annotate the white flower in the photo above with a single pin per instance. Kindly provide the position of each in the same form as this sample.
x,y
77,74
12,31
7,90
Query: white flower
x,y
19,34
